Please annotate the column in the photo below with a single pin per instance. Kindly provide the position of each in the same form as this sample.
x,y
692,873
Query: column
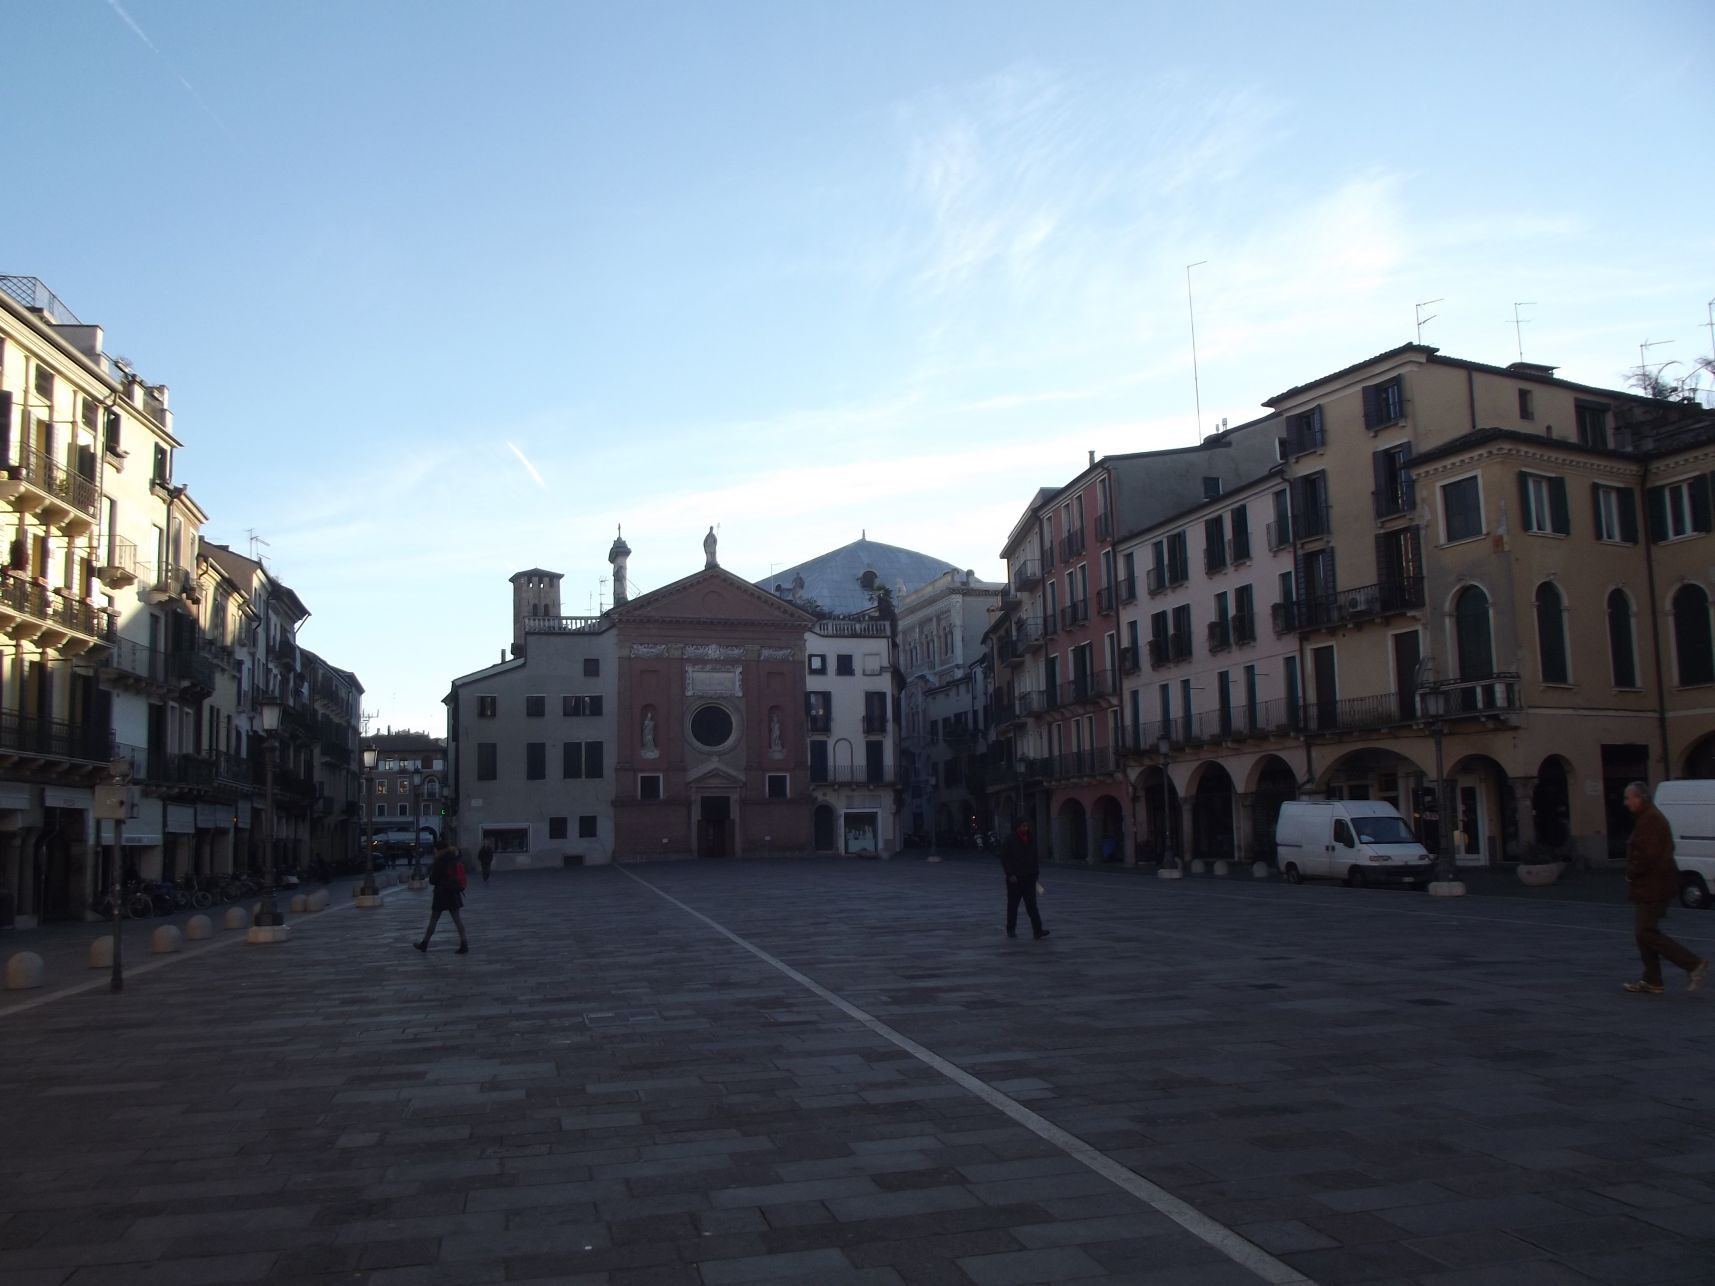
x,y
1244,828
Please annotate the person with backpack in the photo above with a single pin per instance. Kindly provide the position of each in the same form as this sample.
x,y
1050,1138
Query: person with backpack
x,y
447,880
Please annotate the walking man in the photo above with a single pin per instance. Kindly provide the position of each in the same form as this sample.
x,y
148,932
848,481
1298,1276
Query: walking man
x,y
447,880
1652,880
1018,860
485,859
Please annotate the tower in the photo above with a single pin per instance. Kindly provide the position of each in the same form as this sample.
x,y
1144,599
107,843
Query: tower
x,y
617,556
535,593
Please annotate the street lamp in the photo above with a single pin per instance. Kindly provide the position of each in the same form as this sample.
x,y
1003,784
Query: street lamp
x,y
416,823
267,914
1163,747
368,889
1433,701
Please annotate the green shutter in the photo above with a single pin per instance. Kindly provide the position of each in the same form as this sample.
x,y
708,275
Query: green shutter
x,y
1655,500
1527,521
1559,512
1699,488
1628,515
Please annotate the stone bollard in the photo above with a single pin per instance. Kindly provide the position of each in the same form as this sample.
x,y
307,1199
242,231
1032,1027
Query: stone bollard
x,y
101,953
1221,868
317,901
299,902
24,972
1198,866
199,927
235,918
166,940
1169,873
1259,870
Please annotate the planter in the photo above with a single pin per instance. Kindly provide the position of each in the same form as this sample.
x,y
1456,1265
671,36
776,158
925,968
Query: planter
x,y
1538,874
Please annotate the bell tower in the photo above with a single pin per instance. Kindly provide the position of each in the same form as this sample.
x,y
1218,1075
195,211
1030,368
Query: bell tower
x,y
617,556
535,593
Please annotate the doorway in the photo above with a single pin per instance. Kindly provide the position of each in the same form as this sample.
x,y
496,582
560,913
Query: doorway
x,y
714,826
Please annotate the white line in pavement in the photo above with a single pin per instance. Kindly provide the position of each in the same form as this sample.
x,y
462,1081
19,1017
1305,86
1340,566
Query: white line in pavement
x,y
105,978
1188,1217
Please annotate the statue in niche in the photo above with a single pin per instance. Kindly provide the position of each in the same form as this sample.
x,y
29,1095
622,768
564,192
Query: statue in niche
x,y
774,742
649,751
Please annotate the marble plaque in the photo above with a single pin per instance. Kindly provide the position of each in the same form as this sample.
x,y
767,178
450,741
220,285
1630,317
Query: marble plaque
x,y
704,680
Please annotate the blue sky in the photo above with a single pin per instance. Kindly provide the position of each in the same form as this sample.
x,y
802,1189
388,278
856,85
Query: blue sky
x,y
802,269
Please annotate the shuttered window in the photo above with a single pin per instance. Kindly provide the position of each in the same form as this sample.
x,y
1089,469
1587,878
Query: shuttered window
x,y
1542,505
1679,508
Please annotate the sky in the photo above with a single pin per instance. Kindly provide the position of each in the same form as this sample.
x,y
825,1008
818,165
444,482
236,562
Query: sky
x,y
447,290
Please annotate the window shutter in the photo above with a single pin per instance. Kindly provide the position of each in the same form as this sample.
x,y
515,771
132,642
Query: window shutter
x,y
1699,489
1628,515
1528,521
5,428
1372,405
1596,508
1407,487
1655,498
1378,466
1386,569
1559,511
592,759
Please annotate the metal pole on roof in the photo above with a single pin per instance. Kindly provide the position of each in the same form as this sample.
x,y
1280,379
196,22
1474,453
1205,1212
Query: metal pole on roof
x,y
1421,319
1519,323
1190,307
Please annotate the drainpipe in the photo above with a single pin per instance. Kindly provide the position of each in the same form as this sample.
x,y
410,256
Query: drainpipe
x,y
1655,637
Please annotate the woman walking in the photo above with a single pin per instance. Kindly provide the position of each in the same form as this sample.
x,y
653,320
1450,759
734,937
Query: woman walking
x,y
447,879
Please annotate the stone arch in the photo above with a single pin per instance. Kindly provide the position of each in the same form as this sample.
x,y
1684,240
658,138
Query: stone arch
x,y
1273,783
1213,806
1483,811
1699,760
1071,831
1473,633
1375,762
844,766
1553,656
1622,614
1551,803
1163,831
1693,635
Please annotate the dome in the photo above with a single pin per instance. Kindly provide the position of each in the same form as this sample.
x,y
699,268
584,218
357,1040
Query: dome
x,y
847,579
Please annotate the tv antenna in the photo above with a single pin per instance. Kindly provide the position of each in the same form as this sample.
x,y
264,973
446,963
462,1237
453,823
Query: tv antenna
x,y
1423,321
1643,354
255,540
1191,308
1520,322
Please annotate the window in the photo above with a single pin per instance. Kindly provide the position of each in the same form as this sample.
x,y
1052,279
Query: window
x,y
1592,423
1395,492
1181,644
1215,543
535,760
1473,646
1244,615
1241,538
1526,405
485,707
44,383
1462,509
818,663
1542,505
580,759
819,710
586,826
777,785
872,660
535,707
1551,633
1384,403
381,785
1622,640
1693,644
843,663
1616,514
404,810
487,761
649,786
1178,558
556,828
1211,487
819,759
581,705
1304,432
592,667
712,727
1679,508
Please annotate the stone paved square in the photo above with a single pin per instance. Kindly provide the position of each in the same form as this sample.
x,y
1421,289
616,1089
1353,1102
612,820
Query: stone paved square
x,y
1290,1084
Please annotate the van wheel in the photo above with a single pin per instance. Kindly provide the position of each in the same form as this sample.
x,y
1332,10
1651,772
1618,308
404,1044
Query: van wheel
x,y
1355,878
1693,892
1292,873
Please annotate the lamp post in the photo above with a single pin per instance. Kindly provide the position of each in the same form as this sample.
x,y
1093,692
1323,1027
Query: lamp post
x,y
268,917
416,823
1432,701
367,893
1163,747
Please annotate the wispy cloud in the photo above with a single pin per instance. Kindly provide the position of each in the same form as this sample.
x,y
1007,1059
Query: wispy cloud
x,y
525,461
125,17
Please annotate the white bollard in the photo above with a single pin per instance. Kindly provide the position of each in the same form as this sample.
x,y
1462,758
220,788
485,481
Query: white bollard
x,y
101,953
198,927
1220,868
299,901
1170,873
166,940
24,972
235,917
1259,870
1198,866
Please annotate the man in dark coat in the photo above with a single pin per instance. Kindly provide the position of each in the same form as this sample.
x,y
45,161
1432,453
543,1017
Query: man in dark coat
x,y
1652,880
446,879
1018,860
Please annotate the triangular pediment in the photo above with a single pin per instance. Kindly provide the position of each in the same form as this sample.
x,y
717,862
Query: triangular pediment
x,y
713,775
713,594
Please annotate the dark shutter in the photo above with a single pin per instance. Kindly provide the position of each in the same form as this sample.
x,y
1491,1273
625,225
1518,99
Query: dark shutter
x,y
5,429
1699,488
1559,512
1378,466
1655,499
1407,487
1372,405
1528,520
1387,569
592,759
1628,515
1596,508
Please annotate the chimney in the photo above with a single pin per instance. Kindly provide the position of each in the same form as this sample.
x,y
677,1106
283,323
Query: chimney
x,y
1092,457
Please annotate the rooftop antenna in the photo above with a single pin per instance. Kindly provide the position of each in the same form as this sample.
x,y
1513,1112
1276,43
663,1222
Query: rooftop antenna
x,y
1423,321
1191,308
601,595
1643,357
255,540
1710,327
1520,322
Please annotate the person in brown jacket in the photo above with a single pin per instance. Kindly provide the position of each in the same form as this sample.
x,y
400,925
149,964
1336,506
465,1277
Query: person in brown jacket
x,y
1652,880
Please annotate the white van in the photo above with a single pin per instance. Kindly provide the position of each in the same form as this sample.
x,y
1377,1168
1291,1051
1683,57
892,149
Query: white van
x,y
1360,841
1689,807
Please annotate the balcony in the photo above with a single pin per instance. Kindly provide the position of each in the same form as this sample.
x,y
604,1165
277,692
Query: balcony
x,y
1346,606
1098,761
1085,689
1168,650
1128,590
819,721
1050,624
1029,635
1071,545
119,568
1280,533
173,583
1244,627
1032,703
855,775
1104,526
134,667
1130,661
1214,558
1220,636
191,670
563,624
1496,697
1394,501
1003,707
874,725
1306,434
1105,600
1075,614
30,611
30,737
1027,575
57,496
232,770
